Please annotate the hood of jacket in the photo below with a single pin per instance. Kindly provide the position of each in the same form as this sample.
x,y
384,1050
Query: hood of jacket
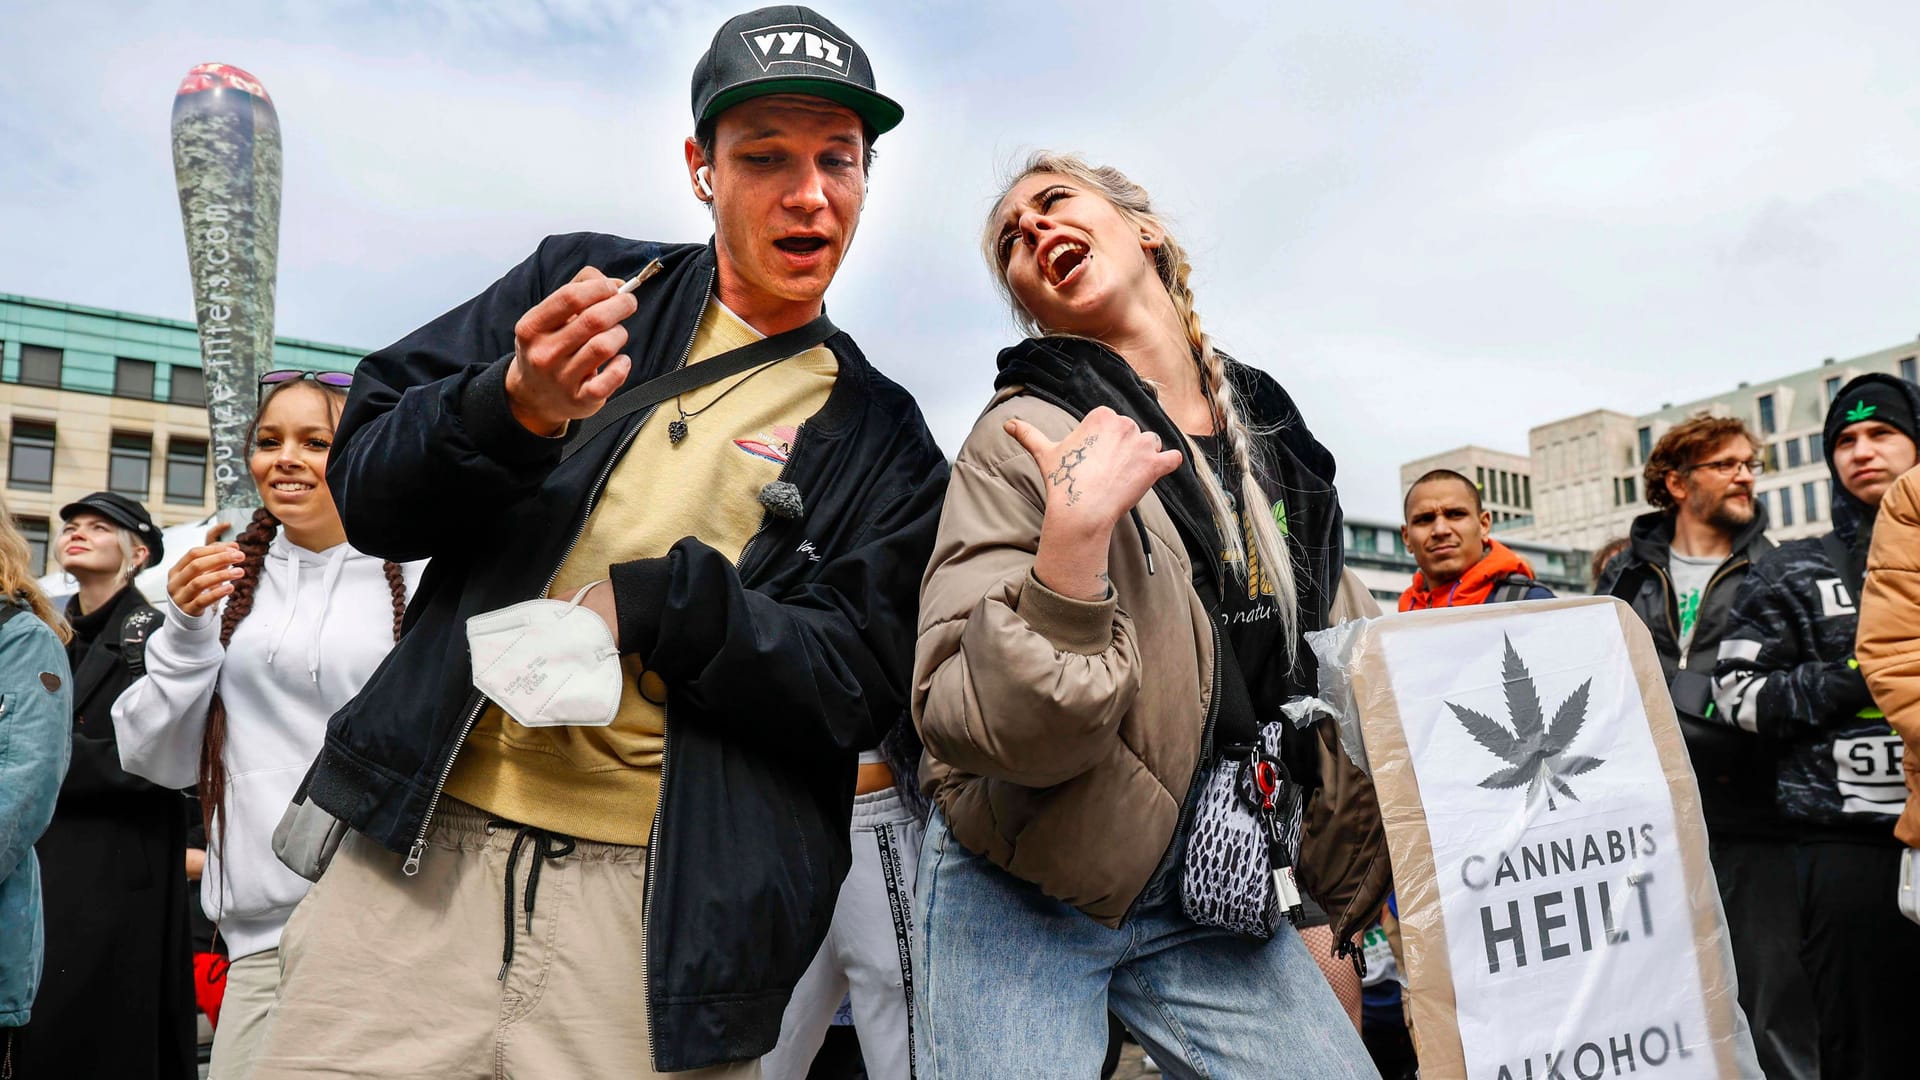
x,y
1651,536
1471,587
1852,518
1079,375
288,565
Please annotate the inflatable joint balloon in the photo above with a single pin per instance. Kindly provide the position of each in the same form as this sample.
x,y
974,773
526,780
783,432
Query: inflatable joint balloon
x,y
226,163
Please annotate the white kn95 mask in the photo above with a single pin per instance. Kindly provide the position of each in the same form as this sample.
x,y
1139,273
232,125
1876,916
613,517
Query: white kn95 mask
x,y
547,663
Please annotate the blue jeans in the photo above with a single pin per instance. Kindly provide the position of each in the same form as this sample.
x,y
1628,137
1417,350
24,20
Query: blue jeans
x,y
1015,984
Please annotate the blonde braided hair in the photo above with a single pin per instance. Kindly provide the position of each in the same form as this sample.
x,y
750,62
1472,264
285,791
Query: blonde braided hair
x,y
1272,559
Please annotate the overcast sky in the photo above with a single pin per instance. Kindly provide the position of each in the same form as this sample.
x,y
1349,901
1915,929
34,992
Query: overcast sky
x,y
1434,223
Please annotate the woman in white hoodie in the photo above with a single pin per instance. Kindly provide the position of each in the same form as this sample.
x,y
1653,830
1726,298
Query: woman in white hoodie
x,y
265,637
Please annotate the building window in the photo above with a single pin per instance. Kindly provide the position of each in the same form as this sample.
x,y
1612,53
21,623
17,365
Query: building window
x,y
1833,388
1480,479
30,457
1526,492
133,378
1786,507
186,471
1793,453
189,385
1767,426
35,532
1760,501
130,465
1366,540
1646,444
1906,368
1770,454
1633,494
40,366
1816,443
1810,497
1506,489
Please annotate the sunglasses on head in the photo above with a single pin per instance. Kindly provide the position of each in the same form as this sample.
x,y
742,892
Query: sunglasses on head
x,y
339,380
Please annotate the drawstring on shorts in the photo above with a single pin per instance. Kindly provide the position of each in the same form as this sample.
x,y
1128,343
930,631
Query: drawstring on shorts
x,y
546,845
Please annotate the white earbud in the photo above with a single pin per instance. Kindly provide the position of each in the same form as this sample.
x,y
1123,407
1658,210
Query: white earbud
x,y
703,180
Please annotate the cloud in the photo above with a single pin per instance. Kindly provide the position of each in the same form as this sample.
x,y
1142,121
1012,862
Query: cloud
x,y
1435,224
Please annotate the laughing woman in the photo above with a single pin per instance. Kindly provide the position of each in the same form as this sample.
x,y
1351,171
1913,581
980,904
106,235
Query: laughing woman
x,y
265,637
1065,678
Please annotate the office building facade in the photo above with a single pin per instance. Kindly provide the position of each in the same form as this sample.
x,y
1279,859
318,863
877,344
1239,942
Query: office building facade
x,y
1585,472
1505,480
106,400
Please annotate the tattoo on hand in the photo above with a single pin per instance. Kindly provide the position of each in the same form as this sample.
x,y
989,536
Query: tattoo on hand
x,y
1069,461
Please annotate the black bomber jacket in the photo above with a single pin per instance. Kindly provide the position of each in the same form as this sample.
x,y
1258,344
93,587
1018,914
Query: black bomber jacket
x,y
781,668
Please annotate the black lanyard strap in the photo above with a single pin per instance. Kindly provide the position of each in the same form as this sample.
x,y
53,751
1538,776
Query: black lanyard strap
x,y
781,346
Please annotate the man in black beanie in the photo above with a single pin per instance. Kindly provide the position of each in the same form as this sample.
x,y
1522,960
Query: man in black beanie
x,y
1786,674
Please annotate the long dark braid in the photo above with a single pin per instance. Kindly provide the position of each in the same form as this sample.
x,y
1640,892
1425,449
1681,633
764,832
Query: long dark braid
x,y
397,584
253,545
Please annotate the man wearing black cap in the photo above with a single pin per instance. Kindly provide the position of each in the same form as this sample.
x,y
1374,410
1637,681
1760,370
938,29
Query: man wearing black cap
x,y
116,998
1787,675
579,896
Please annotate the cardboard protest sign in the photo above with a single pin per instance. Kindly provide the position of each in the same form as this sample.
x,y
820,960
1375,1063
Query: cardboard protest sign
x,y
1558,914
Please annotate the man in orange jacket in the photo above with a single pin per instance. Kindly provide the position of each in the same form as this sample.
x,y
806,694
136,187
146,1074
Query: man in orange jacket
x,y
1460,564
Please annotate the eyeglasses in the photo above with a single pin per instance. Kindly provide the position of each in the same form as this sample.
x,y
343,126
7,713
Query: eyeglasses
x,y
339,380
1731,466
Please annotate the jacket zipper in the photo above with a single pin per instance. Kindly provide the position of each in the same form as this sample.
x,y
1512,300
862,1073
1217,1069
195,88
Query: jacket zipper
x,y
666,744
1199,770
646,885
1174,508
1673,611
412,866
1672,608
1711,582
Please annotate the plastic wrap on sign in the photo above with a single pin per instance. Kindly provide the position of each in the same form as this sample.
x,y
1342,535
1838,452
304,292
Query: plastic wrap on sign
x,y
1333,648
1557,910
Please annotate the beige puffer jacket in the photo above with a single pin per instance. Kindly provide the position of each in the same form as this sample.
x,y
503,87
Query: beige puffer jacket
x,y
1061,735
1888,645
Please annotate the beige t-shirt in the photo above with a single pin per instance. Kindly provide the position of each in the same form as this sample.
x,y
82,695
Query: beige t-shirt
x,y
604,783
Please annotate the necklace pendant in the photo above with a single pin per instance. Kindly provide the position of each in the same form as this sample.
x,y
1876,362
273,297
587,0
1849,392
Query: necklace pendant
x,y
676,431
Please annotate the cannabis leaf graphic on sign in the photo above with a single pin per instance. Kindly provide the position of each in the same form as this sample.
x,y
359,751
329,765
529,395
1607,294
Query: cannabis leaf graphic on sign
x,y
1535,752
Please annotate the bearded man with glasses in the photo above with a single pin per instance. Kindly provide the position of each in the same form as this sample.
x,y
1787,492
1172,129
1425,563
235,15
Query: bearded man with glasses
x,y
1680,574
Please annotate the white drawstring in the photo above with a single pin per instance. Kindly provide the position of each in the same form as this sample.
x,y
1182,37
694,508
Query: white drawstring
x,y
328,582
287,579
289,586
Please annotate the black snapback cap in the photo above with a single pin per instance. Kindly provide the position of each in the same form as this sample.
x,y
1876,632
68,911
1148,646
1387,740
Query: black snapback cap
x,y
124,512
788,50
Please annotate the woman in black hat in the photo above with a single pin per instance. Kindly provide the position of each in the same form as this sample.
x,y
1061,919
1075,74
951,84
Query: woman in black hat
x,y
117,997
